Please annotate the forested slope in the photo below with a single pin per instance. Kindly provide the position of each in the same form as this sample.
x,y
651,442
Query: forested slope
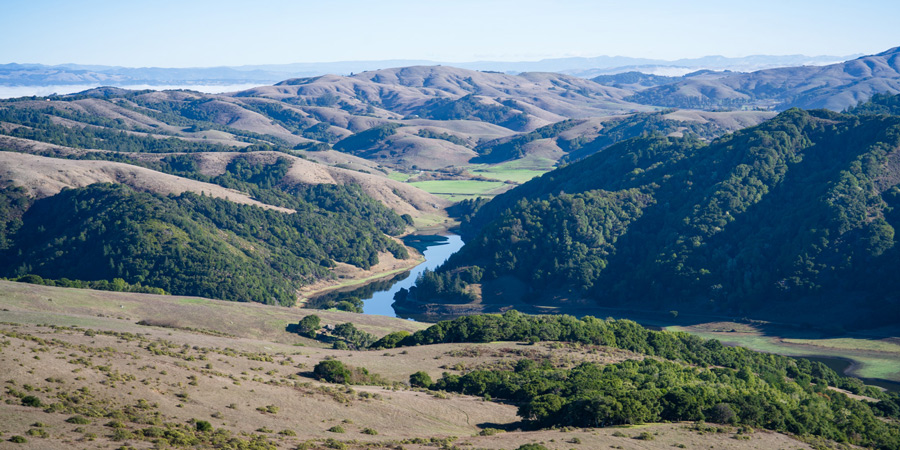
x,y
192,244
797,214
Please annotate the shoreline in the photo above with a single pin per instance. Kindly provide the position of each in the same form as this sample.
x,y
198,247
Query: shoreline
x,y
305,296
416,258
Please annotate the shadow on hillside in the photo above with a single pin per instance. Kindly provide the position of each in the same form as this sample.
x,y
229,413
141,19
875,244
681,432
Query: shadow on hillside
x,y
512,426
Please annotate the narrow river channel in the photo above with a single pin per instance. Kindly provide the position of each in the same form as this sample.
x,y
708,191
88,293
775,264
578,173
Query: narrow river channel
x,y
378,296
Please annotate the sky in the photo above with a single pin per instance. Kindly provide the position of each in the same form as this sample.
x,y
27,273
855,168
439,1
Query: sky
x,y
186,33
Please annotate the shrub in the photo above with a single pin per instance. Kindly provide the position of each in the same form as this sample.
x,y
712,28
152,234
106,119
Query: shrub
x,y
309,325
532,447
39,432
121,434
153,432
332,371
391,340
369,431
30,400
78,420
645,436
203,425
18,439
354,337
722,413
337,429
420,379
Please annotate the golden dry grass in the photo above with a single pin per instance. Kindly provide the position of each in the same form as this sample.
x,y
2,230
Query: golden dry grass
x,y
231,365
43,177
249,379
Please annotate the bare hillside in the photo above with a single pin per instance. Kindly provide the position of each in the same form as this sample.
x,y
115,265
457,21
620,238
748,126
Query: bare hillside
x,y
403,90
44,177
835,87
401,197
50,175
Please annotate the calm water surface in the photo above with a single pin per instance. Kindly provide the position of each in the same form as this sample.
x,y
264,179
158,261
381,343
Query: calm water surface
x,y
378,297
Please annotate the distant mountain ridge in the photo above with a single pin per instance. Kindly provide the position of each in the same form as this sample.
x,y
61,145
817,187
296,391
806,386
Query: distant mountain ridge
x,y
65,74
836,86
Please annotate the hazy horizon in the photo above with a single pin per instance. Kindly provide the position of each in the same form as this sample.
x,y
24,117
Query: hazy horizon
x,y
839,58
174,34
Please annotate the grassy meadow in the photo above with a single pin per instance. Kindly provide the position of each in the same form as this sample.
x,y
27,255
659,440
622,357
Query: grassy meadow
x,y
456,190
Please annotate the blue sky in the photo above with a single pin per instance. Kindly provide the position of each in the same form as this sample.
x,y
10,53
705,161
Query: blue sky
x,y
185,33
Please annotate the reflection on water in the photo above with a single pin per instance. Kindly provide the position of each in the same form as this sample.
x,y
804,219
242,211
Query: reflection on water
x,y
378,296
840,366
367,291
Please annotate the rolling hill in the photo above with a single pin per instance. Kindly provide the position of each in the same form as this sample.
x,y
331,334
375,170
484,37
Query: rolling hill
x,y
45,177
434,118
193,244
79,74
835,87
300,141
252,226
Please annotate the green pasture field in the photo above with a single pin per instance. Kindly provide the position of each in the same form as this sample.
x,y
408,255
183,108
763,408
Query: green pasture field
x,y
456,190
519,171
870,358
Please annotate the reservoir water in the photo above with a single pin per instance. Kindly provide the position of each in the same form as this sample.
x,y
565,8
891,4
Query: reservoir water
x,y
378,296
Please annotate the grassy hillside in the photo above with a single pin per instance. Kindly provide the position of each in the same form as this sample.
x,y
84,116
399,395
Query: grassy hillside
x,y
74,143
421,121
199,372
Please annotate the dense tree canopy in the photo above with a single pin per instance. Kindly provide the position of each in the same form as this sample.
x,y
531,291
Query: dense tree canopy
x,y
684,378
796,213
190,244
